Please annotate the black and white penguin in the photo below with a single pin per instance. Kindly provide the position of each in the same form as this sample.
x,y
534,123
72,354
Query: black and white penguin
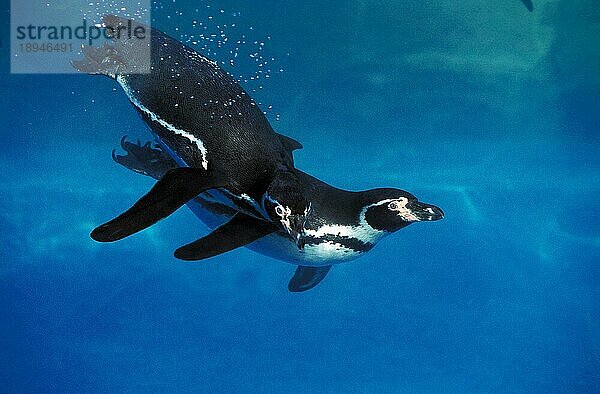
x,y
219,137
218,154
341,226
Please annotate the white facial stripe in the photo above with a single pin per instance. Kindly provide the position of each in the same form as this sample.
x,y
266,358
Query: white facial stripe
x,y
165,124
400,207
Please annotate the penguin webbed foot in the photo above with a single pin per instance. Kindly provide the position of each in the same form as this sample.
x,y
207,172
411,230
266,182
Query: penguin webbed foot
x,y
104,60
305,278
144,159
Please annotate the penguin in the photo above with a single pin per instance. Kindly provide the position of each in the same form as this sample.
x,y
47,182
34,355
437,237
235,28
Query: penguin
x,y
342,225
218,135
217,153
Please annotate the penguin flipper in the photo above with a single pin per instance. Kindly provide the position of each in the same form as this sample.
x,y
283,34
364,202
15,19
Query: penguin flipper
x,y
306,278
172,191
241,230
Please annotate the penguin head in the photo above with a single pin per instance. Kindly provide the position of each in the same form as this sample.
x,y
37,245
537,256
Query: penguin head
x,y
287,205
392,209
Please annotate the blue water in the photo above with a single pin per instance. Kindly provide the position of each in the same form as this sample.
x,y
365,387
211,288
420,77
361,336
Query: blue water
x,y
483,108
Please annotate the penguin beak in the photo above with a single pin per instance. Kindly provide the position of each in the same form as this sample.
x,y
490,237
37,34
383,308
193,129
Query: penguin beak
x,y
294,226
425,212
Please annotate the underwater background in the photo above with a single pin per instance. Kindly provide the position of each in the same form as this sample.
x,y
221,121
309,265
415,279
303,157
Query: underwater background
x,y
482,108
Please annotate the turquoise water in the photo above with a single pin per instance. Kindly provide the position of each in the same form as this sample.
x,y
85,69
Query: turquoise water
x,y
487,110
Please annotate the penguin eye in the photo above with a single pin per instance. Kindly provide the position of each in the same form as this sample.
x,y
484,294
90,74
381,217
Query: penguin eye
x,y
393,206
279,210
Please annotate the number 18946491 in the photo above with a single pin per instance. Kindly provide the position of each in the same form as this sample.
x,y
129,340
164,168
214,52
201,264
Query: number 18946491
x,y
45,47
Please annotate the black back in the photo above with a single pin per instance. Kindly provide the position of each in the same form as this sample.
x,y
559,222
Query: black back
x,y
193,94
330,204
